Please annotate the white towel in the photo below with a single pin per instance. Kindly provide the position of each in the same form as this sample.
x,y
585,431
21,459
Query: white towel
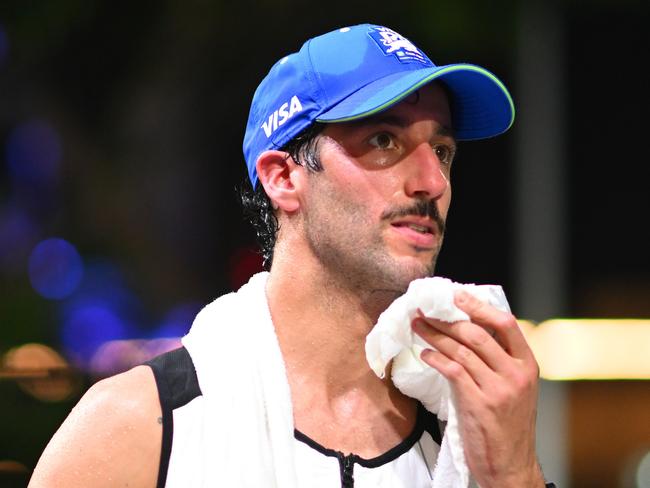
x,y
243,379
392,337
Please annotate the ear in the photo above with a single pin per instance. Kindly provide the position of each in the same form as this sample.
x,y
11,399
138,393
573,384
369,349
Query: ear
x,y
278,173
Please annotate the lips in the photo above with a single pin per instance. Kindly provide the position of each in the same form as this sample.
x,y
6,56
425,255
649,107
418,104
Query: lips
x,y
419,232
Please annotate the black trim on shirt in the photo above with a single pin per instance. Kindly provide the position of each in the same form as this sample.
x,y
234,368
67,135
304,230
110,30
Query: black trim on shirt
x,y
177,386
425,421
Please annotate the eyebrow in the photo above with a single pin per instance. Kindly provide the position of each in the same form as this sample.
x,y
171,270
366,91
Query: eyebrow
x,y
401,122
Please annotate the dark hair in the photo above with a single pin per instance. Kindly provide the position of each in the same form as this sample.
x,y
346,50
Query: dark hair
x,y
257,206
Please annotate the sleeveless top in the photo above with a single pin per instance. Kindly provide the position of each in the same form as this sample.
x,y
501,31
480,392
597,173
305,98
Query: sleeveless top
x,y
408,464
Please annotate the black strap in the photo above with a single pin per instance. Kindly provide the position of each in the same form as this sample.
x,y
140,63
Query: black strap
x,y
177,385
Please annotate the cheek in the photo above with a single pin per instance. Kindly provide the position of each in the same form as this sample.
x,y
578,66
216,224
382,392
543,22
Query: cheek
x,y
387,186
367,190
445,202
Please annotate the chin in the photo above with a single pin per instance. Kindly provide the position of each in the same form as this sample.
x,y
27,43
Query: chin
x,y
410,269
420,265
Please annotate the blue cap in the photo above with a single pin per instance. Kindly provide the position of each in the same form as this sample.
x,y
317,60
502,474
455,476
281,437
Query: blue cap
x,y
357,71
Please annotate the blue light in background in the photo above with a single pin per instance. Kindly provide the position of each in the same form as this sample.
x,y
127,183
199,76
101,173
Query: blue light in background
x,y
4,45
103,309
33,153
178,320
104,281
18,235
55,268
86,326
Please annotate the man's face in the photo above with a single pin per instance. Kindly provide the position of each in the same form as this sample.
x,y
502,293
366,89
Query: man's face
x,y
375,215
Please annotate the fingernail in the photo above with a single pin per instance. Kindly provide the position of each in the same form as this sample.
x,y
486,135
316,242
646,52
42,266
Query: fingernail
x,y
426,353
418,323
461,296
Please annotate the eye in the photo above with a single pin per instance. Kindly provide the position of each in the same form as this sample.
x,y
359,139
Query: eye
x,y
383,141
444,153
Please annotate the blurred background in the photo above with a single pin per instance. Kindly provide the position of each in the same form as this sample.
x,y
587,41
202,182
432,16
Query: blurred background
x,y
120,154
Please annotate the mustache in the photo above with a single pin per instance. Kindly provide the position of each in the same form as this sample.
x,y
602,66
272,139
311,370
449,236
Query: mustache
x,y
421,208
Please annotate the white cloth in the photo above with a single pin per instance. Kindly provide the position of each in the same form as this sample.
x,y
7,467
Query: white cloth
x,y
393,339
242,376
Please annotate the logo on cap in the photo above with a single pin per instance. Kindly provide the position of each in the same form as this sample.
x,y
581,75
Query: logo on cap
x,y
393,43
281,115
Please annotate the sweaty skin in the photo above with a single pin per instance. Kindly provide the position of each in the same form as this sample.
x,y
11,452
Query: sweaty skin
x,y
357,260
351,239
111,438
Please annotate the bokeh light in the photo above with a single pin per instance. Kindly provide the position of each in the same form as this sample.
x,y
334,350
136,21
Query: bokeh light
x,y
155,347
178,320
33,153
13,474
103,309
41,372
4,45
18,235
12,467
104,282
87,325
114,357
55,268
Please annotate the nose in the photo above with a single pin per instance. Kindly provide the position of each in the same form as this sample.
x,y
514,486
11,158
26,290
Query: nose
x,y
427,176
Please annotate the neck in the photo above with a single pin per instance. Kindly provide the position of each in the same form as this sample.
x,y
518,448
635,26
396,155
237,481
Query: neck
x,y
322,324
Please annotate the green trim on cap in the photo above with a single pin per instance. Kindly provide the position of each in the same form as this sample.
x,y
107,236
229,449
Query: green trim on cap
x,y
433,76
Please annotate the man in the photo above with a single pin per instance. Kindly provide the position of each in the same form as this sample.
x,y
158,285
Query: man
x,y
349,149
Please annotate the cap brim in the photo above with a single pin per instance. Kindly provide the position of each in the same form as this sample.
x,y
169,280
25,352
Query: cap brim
x,y
481,105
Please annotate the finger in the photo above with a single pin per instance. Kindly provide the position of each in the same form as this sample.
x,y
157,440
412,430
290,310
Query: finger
x,y
470,337
503,323
460,380
480,372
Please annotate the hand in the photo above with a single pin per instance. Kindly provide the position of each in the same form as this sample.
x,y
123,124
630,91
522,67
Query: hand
x,y
494,379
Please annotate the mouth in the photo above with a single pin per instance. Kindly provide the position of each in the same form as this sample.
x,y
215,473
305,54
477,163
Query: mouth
x,y
422,229
417,224
419,232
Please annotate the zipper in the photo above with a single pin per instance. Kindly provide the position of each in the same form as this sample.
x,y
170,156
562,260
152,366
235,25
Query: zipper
x,y
346,464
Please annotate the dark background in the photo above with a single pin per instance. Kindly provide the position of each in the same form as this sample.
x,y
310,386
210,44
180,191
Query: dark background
x,y
149,101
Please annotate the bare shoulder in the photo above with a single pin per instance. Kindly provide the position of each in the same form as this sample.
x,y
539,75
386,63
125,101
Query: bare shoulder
x,y
112,437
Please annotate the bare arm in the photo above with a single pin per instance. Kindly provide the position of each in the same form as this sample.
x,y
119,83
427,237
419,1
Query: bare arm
x,y
495,383
111,438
